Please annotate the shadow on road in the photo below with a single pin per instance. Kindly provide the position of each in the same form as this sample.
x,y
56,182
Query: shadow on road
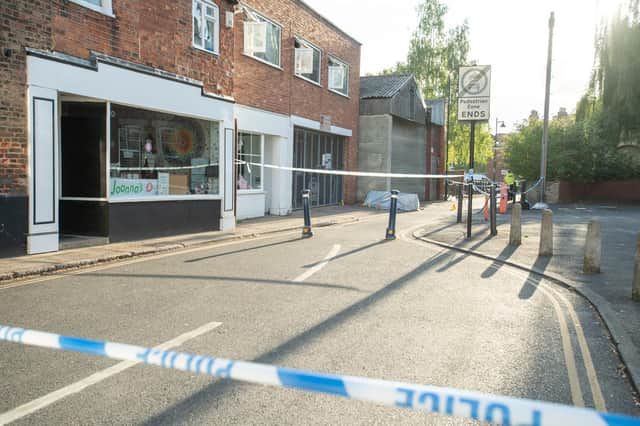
x,y
348,253
531,283
227,253
463,256
232,279
505,254
209,395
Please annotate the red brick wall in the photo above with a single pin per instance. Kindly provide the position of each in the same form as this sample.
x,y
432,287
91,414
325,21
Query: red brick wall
x,y
156,34
278,90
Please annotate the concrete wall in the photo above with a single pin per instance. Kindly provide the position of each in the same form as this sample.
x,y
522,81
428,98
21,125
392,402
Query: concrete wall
x,y
374,152
408,155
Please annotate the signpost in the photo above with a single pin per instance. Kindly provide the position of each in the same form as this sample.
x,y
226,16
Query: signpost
x,y
474,96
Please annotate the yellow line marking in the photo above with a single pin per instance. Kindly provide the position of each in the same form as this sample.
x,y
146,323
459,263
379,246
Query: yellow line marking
x,y
596,391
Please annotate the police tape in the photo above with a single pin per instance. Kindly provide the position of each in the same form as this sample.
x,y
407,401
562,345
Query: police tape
x,y
348,173
447,401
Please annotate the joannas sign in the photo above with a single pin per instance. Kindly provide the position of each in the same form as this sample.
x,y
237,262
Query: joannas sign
x,y
133,188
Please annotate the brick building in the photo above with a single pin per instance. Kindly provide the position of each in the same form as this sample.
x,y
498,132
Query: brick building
x,y
118,118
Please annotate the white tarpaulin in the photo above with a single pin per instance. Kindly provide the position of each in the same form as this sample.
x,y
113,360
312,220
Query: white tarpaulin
x,y
382,200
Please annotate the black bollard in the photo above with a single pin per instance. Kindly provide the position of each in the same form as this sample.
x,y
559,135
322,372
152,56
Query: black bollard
x,y
391,229
306,230
460,196
470,210
523,195
492,211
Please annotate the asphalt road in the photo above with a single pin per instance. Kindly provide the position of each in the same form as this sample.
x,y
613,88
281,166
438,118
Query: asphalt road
x,y
401,310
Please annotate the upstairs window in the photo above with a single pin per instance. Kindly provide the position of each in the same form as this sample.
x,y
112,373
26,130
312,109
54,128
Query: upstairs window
x,y
262,39
338,76
206,26
102,6
307,60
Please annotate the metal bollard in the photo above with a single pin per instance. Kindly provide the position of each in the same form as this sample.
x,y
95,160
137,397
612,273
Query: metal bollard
x,y
635,294
546,234
523,195
470,210
492,211
460,197
391,229
592,248
306,230
515,234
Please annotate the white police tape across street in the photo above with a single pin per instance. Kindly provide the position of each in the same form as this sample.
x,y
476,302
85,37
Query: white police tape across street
x,y
452,402
348,173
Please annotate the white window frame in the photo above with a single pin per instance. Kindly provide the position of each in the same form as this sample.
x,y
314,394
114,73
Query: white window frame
x,y
204,18
252,15
105,9
261,189
311,46
346,77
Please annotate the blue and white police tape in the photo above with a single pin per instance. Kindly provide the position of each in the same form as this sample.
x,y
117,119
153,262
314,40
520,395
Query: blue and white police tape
x,y
452,402
347,172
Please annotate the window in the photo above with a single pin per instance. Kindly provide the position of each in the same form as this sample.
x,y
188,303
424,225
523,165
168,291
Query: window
x,y
102,6
307,60
206,26
338,76
262,39
250,151
155,154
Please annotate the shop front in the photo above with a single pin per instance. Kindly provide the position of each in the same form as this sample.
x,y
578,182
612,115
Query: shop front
x,y
120,154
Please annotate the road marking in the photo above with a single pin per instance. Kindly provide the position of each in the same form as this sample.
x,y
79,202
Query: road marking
x,y
334,251
46,400
596,391
569,354
116,263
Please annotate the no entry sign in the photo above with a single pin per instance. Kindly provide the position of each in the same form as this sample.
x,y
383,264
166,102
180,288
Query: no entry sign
x,y
474,93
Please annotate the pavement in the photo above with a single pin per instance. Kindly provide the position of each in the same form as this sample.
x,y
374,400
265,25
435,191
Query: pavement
x,y
27,266
609,291
342,302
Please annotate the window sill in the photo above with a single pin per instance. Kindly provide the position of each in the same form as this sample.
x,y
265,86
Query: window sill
x,y
315,83
263,61
339,93
210,52
101,10
251,192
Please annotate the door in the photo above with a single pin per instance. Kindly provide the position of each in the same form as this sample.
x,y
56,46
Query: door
x,y
44,171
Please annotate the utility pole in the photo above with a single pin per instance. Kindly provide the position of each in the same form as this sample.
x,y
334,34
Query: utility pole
x,y
545,132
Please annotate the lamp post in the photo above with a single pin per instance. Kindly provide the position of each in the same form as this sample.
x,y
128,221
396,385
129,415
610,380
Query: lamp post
x,y
496,144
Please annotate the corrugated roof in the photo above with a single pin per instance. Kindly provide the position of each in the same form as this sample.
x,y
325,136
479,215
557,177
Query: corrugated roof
x,y
382,86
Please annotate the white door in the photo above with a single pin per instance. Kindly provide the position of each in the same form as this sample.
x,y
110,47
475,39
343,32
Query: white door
x,y
43,176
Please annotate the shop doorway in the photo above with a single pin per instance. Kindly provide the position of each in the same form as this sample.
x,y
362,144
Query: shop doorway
x,y
83,151
316,150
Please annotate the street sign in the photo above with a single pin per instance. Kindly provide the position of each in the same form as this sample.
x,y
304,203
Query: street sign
x,y
474,93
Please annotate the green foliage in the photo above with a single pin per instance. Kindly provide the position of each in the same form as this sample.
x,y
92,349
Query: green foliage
x,y
459,146
584,147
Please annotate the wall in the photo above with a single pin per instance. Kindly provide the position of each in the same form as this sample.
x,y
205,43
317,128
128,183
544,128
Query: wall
x,y
408,155
278,90
401,104
374,153
626,191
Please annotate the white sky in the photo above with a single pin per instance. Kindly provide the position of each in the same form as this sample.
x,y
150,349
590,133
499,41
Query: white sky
x,y
509,35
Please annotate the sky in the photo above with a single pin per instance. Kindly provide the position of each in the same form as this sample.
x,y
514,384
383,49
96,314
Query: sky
x,y
509,35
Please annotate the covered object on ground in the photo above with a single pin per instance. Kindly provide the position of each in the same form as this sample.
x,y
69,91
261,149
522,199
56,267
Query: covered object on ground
x,y
382,200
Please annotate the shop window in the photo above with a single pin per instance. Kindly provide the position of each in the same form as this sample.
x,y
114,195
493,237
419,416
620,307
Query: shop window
x,y
338,76
262,39
161,155
250,149
307,60
102,6
206,27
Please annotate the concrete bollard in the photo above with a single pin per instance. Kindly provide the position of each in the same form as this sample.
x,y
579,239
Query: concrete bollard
x,y
546,234
515,234
636,273
592,248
